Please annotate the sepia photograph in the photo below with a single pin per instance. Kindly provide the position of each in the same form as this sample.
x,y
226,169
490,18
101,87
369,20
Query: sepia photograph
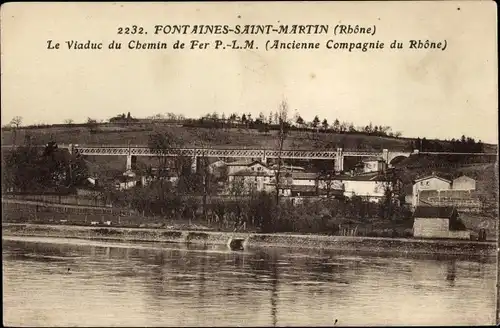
x,y
229,164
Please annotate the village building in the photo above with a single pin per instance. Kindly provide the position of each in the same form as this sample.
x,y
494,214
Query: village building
x,y
253,176
156,174
438,222
431,182
304,179
247,180
368,186
233,167
373,164
464,183
127,180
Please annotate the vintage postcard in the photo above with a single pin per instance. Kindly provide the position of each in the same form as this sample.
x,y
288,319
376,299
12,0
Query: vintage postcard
x,y
249,163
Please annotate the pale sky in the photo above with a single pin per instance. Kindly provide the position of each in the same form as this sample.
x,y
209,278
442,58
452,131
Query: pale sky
x,y
431,93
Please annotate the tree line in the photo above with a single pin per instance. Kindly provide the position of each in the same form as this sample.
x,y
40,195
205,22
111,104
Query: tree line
x,y
264,123
461,145
32,169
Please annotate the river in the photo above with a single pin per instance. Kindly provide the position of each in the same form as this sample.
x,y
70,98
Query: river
x,y
146,284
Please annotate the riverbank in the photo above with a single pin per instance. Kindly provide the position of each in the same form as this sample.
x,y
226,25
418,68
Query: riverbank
x,y
250,240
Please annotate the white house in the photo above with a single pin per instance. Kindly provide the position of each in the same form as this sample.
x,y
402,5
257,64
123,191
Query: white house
x,y
125,182
432,182
369,186
463,183
373,164
304,178
252,176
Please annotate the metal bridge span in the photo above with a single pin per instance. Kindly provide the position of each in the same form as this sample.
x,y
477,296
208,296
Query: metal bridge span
x,y
337,155
263,154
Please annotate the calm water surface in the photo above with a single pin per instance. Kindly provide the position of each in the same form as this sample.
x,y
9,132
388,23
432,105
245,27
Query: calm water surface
x,y
119,284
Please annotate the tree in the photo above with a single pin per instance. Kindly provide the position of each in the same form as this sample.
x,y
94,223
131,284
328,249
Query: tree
x,y
315,121
343,127
326,179
27,169
325,124
16,121
282,119
167,145
68,121
243,118
208,179
336,125
299,121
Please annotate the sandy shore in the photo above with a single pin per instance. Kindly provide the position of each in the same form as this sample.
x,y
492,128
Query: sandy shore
x,y
362,244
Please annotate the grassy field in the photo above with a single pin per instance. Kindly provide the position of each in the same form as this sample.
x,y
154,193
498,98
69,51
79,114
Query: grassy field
x,y
229,138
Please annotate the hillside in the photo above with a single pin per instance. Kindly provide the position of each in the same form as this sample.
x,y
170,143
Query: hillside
x,y
138,134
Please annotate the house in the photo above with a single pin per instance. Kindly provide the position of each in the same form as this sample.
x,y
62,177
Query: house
x,y
438,222
370,186
373,164
303,190
463,183
238,166
287,168
165,175
255,177
304,178
431,182
127,182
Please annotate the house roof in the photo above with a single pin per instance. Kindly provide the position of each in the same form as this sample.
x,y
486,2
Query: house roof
x,y
287,167
304,175
434,175
373,176
463,177
444,212
248,172
129,173
218,163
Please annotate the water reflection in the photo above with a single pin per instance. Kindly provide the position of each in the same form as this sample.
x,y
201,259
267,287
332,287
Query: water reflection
x,y
149,284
